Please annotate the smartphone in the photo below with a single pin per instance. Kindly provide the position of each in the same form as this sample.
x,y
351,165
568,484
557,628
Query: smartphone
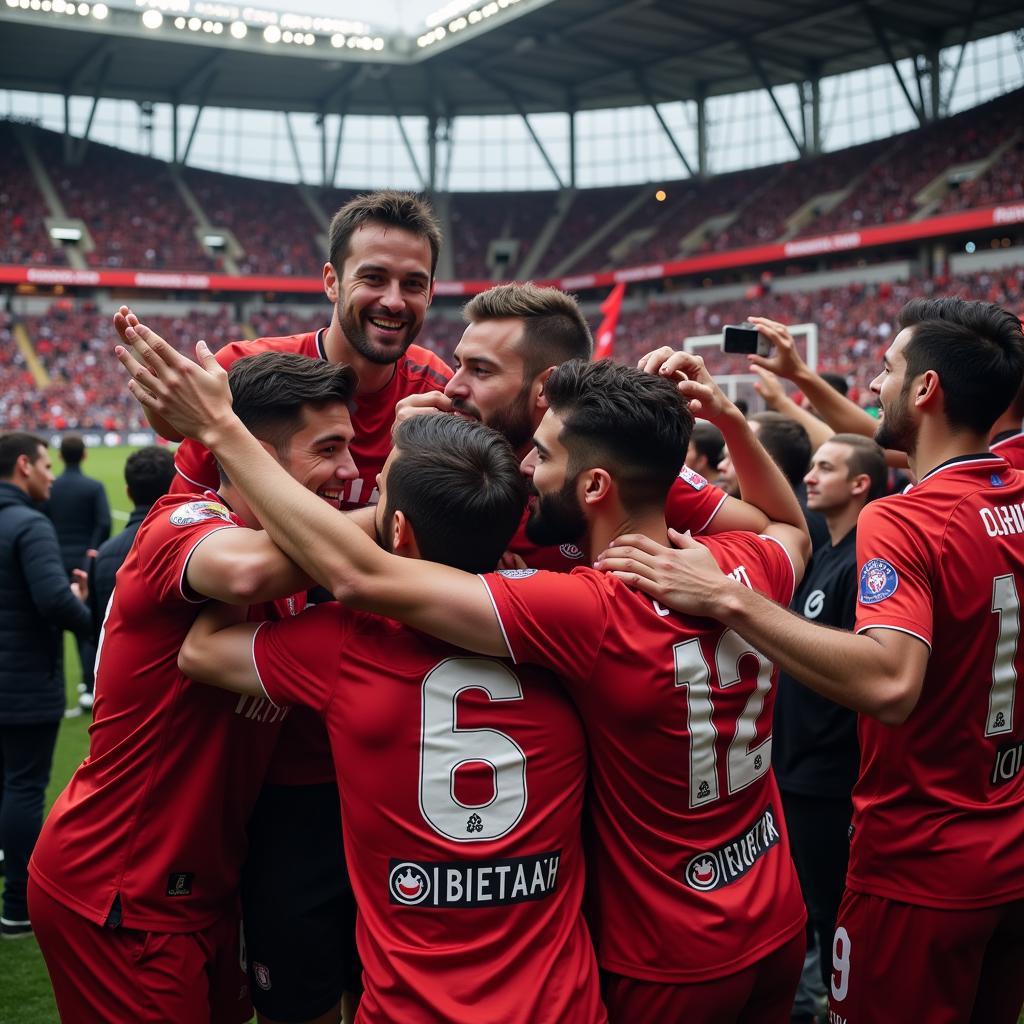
x,y
746,340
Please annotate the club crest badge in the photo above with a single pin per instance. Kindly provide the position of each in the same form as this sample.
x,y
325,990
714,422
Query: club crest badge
x,y
198,512
878,580
695,480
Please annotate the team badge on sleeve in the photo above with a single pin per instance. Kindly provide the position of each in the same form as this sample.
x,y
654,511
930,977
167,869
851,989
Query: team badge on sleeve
x,y
198,512
695,480
878,580
516,574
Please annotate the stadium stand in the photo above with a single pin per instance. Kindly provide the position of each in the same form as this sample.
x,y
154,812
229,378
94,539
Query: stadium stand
x,y
134,212
1003,182
23,235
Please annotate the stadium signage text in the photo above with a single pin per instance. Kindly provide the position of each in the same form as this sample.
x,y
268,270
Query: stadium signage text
x,y
881,234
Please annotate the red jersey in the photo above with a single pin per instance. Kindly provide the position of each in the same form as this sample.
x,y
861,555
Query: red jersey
x,y
1010,447
691,505
416,372
461,784
303,756
939,805
691,869
155,816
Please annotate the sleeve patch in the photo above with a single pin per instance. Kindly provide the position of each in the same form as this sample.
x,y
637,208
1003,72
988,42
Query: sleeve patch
x,y
878,580
695,480
517,574
198,512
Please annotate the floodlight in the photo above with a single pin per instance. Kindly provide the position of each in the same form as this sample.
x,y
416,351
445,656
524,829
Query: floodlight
x,y
152,18
239,29
272,34
99,11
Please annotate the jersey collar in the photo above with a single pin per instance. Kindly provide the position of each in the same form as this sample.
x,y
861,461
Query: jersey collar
x,y
979,459
1005,435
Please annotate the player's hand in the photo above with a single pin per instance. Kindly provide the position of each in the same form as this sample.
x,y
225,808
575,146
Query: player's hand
x,y
685,577
769,387
80,584
785,361
91,553
706,399
193,397
123,319
510,560
418,405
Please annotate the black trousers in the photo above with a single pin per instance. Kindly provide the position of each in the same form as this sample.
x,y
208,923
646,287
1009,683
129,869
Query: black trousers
x,y
26,755
819,839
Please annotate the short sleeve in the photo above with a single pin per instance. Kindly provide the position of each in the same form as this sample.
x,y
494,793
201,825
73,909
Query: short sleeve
x,y
894,584
167,539
555,620
758,562
297,659
692,502
196,466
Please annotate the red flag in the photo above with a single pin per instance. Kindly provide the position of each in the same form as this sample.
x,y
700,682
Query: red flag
x,y
611,307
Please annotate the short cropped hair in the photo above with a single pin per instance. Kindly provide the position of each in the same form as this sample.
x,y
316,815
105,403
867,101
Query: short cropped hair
x,y
837,382
13,446
460,486
633,424
390,208
72,449
149,473
786,442
554,327
976,348
866,458
270,391
707,439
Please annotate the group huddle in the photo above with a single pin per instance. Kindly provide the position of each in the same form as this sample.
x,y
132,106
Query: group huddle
x,y
409,681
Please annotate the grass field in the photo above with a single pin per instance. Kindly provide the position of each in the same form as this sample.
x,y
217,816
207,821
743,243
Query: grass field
x,y
25,995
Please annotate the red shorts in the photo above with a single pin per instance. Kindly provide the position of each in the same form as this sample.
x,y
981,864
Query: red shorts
x,y
893,961
119,974
759,994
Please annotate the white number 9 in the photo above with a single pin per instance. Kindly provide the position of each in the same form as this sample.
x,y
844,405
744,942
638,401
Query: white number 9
x,y
840,964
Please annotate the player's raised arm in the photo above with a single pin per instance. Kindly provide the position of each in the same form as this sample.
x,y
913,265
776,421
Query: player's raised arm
x,y
878,673
767,496
445,602
218,651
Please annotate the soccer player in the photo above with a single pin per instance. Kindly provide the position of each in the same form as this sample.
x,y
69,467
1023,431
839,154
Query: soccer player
x,y
461,777
300,922
133,889
932,923
516,335
698,909
815,753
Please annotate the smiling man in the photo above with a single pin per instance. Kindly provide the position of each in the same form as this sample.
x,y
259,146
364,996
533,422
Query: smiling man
x,y
134,880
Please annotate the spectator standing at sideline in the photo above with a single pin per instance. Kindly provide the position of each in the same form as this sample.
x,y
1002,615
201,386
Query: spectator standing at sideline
x,y
148,474
36,603
80,513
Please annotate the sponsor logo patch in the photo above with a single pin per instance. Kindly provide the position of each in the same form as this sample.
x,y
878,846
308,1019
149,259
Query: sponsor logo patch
x,y
1008,761
180,883
262,975
473,883
729,862
199,512
695,480
571,550
814,603
878,580
516,574
996,480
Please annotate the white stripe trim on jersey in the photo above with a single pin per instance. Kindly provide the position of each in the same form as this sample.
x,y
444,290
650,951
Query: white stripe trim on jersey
x,y
959,463
789,558
717,509
320,345
194,483
497,615
256,667
188,558
897,629
1006,440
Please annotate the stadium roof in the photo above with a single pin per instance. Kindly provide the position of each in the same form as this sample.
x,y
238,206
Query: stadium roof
x,y
521,56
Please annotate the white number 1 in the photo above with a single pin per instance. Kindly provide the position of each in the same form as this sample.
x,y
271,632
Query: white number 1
x,y
1006,605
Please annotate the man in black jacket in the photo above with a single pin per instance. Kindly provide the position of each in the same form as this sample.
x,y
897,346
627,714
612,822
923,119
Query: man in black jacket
x,y
80,512
36,605
148,474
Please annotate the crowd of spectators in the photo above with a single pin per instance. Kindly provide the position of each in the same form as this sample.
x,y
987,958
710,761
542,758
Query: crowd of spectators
x,y
131,206
138,219
856,322
887,191
269,220
23,234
